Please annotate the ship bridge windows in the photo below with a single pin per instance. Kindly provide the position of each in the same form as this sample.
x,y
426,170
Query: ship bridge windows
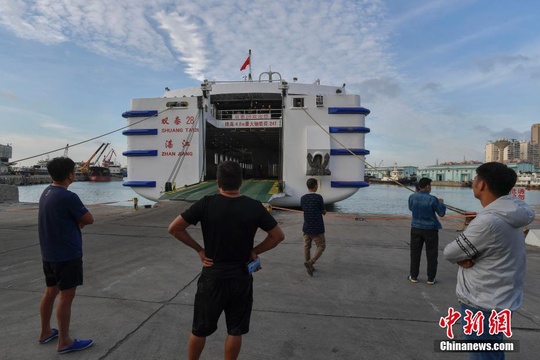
x,y
298,102
319,101
247,106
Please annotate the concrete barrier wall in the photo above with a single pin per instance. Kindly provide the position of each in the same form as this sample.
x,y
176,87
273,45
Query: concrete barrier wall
x,y
24,180
9,193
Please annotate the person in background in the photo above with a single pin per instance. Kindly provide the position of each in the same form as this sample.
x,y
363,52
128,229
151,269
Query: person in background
x,y
61,217
490,253
313,227
229,222
425,229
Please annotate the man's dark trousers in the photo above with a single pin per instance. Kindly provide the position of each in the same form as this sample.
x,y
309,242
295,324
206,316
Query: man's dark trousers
x,y
431,239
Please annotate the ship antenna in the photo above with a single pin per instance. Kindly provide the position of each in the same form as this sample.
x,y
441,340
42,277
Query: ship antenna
x,y
249,72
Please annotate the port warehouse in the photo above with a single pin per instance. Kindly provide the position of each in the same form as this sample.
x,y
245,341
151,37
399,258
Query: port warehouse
x,y
447,172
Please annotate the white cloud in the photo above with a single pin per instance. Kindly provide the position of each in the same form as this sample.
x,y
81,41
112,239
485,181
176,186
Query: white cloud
x,y
114,29
211,38
8,94
187,40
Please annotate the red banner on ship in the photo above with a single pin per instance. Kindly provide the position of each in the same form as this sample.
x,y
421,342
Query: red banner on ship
x,y
246,63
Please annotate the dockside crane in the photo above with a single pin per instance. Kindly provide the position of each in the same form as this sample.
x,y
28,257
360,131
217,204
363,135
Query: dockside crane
x,y
107,159
101,153
84,167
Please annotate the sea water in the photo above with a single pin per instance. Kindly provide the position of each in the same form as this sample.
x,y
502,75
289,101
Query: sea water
x,y
374,199
109,193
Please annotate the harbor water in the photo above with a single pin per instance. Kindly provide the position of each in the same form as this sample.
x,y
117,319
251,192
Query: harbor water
x,y
375,199
113,193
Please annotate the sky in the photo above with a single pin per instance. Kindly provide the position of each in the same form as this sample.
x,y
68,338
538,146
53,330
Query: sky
x,y
441,78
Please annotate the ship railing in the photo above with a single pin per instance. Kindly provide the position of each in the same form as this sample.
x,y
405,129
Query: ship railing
x,y
248,114
269,79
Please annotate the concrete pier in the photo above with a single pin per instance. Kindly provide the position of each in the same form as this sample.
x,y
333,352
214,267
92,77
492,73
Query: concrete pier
x,y
137,297
9,194
21,180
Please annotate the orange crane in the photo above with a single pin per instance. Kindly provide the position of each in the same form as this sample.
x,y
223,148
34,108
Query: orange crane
x,y
84,167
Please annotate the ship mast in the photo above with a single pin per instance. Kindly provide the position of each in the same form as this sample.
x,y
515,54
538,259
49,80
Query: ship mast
x,y
249,71
247,64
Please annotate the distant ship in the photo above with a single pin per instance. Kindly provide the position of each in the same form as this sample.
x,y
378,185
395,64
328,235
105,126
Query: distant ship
x,y
528,180
40,168
395,176
116,171
107,171
98,174
281,133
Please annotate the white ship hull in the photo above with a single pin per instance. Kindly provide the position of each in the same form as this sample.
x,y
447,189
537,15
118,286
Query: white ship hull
x,y
277,131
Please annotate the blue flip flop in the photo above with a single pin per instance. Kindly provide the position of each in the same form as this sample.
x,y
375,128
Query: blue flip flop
x,y
53,336
76,346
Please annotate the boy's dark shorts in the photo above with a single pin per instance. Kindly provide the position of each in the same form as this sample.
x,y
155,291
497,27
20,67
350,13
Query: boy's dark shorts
x,y
216,294
66,275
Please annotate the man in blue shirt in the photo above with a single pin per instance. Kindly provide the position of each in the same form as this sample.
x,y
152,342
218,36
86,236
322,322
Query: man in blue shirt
x,y
313,228
61,217
425,229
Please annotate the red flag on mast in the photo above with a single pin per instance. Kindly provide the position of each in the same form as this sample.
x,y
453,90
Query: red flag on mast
x,y
246,63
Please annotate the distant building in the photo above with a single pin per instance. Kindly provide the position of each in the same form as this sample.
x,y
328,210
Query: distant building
x,y
535,133
493,153
452,172
535,141
512,151
5,155
466,171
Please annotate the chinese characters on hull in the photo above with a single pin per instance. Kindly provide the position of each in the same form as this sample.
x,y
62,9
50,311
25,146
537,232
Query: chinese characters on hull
x,y
176,127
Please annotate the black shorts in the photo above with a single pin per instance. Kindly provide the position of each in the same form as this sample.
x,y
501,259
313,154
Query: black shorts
x,y
66,275
216,294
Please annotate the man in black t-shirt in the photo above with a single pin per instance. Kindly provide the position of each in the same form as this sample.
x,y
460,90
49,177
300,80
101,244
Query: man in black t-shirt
x,y
229,222
313,228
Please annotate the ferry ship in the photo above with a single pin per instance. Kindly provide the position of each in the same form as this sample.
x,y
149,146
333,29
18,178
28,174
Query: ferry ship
x,y
281,133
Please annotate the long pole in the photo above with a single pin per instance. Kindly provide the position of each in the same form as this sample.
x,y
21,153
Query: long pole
x,y
249,74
